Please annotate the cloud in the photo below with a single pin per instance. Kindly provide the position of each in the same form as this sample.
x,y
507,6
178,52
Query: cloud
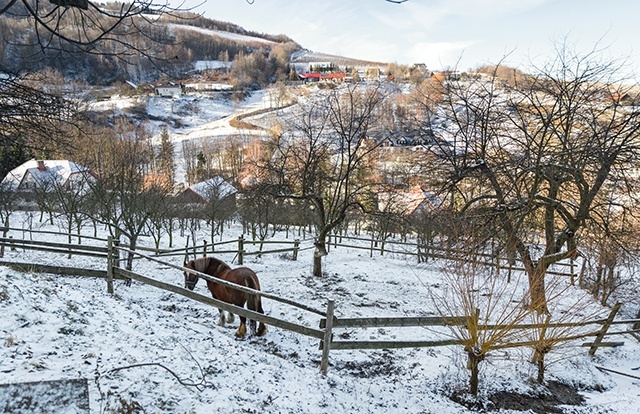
x,y
439,54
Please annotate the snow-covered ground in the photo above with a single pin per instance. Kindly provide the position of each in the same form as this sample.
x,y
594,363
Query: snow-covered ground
x,y
226,35
195,117
56,327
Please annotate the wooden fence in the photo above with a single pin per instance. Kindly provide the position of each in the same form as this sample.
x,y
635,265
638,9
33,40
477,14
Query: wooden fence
x,y
328,322
237,247
423,251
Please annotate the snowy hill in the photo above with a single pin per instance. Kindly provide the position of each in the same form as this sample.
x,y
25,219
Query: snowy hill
x,y
146,350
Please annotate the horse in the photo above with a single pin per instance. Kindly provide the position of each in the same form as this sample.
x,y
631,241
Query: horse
x,y
242,276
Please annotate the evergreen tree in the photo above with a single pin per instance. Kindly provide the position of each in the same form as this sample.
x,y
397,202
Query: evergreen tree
x,y
165,157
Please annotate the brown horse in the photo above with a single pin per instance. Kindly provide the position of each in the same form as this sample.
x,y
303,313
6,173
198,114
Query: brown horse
x,y
242,276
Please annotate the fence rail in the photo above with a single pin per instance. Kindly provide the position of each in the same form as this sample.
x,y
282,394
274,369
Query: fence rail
x,y
437,252
65,248
328,322
430,321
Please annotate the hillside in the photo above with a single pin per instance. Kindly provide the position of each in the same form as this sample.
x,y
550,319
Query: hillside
x,y
164,46
136,346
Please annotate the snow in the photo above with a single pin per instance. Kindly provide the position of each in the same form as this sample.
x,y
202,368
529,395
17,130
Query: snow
x,y
202,65
43,172
213,187
57,327
226,35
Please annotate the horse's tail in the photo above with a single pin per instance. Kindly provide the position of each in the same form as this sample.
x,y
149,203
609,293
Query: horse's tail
x,y
254,303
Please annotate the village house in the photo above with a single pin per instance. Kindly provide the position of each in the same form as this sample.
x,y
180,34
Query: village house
x,y
213,193
213,189
412,203
168,90
47,175
322,77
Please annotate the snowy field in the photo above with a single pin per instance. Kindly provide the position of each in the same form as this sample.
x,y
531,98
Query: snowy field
x,y
135,345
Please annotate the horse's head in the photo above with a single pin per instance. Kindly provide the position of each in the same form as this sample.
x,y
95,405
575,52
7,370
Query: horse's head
x,y
190,279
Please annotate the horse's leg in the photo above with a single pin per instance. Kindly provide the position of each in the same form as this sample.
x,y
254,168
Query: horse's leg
x,y
262,329
255,304
242,329
230,317
221,318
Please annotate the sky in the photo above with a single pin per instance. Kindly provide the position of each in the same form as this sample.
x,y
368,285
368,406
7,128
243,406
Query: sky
x,y
442,33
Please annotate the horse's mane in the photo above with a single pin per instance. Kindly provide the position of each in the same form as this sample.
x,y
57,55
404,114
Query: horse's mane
x,y
204,263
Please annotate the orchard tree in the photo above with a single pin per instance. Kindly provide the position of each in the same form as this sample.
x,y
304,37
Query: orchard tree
x,y
324,158
123,197
165,163
533,158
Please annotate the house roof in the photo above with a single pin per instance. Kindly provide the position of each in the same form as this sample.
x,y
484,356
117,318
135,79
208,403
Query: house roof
x,y
417,196
215,186
43,172
411,201
321,76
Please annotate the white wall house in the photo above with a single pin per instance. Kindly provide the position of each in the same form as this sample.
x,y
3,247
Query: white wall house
x,y
169,91
47,175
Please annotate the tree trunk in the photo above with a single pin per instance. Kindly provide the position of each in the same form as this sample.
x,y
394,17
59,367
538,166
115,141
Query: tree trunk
x,y
319,252
636,325
474,366
537,290
541,367
132,247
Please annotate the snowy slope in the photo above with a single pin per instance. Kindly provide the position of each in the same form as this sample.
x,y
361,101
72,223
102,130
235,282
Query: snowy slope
x,y
225,35
58,327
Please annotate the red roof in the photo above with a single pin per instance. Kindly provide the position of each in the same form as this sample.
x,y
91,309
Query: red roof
x,y
321,76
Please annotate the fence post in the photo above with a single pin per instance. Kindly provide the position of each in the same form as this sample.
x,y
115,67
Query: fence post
x,y
240,248
605,328
326,343
296,247
204,248
5,230
110,265
372,240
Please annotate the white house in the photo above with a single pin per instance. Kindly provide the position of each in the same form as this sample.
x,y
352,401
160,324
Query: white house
x,y
46,175
170,90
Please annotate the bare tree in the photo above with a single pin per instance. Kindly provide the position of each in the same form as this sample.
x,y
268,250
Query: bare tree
x,y
472,291
70,200
533,158
323,158
123,197
30,120
77,26
8,198
219,204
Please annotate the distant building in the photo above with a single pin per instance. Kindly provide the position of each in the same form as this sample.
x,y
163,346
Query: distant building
x,y
322,77
213,189
208,87
321,66
168,90
414,202
47,175
214,193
